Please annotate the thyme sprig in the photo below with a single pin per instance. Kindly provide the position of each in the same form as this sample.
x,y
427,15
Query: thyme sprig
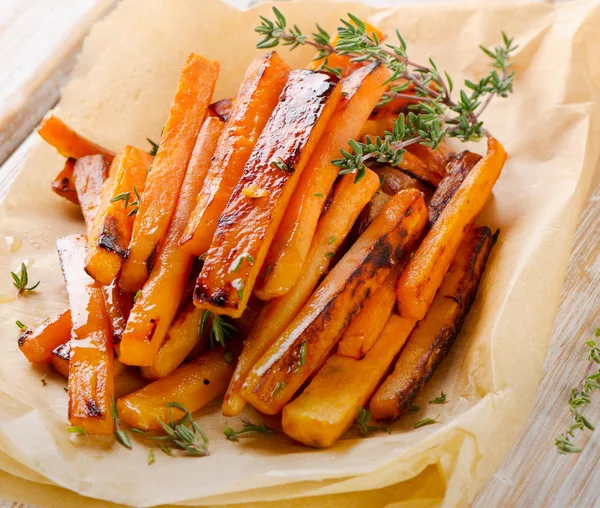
x,y
191,440
581,396
221,330
120,435
126,197
362,420
441,399
434,115
248,426
21,281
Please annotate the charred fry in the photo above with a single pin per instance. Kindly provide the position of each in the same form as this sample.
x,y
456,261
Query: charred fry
x,y
254,103
434,335
91,374
38,344
248,224
112,224
458,169
347,202
360,93
425,272
310,336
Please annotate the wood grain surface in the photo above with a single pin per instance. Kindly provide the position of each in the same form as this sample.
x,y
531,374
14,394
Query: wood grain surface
x,y
38,41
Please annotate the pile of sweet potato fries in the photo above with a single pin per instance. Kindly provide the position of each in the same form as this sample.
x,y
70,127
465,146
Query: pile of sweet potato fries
x,y
235,260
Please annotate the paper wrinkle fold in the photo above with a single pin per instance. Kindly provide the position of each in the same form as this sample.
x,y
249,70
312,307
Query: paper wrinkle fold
x,y
120,94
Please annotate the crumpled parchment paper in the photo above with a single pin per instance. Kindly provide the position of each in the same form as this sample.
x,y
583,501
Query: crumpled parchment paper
x,y
120,93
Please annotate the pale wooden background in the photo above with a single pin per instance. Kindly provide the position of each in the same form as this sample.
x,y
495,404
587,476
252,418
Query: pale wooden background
x,y
38,42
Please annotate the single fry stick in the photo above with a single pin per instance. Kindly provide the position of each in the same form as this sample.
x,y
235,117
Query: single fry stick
x,y
112,224
347,202
367,325
63,184
360,93
91,374
163,184
425,272
88,176
257,97
458,169
68,143
434,335
37,344
182,338
156,305
193,385
289,361
126,380
249,223
330,403
61,357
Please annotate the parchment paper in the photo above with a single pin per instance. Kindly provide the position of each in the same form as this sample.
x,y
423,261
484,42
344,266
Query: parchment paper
x,y
120,93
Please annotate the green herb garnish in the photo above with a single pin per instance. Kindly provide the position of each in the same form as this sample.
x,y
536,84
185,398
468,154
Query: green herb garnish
x,y
362,420
248,426
21,281
439,400
581,396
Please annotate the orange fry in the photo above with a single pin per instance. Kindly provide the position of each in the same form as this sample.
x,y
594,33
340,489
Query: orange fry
x,y
37,344
257,97
111,228
299,350
425,272
156,305
360,93
250,221
68,143
91,374
163,184
337,221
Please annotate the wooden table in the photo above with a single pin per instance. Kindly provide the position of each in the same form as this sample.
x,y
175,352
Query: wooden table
x,y
38,40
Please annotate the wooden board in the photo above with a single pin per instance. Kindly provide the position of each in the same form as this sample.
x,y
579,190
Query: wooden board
x,y
38,42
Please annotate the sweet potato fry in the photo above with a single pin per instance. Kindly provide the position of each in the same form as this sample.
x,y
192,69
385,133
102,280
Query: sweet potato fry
x,y
61,356
89,174
163,184
394,180
458,169
367,325
436,160
193,385
434,335
63,184
222,109
112,224
347,202
253,105
182,337
330,403
91,374
249,223
372,210
68,143
425,272
360,93
316,329
37,344
156,305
